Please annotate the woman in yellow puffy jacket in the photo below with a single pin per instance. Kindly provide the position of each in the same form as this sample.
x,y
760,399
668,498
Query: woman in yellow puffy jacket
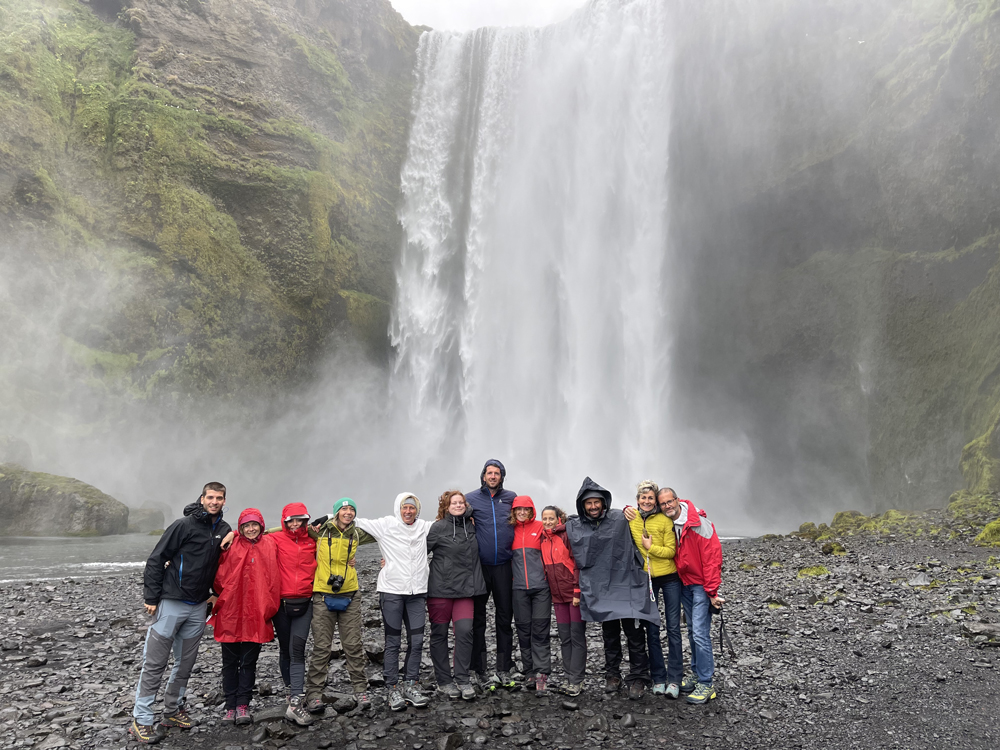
x,y
653,533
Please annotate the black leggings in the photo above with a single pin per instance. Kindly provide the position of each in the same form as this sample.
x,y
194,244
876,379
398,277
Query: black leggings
x,y
292,633
499,585
239,671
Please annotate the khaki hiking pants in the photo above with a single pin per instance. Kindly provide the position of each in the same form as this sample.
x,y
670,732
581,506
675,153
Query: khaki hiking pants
x,y
324,622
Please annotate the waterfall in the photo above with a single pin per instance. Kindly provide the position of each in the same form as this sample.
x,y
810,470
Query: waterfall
x,y
531,321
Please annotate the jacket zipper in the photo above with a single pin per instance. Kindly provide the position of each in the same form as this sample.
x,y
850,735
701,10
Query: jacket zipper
x,y
524,557
496,541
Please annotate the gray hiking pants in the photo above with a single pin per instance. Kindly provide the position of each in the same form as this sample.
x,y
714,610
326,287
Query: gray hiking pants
x,y
177,628
532,614
399,611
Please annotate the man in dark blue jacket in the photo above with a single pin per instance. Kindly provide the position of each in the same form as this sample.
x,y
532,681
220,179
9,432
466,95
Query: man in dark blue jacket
x,y
177,584
491,505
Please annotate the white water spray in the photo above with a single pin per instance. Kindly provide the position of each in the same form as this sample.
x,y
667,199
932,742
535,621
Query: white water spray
x,y
531,322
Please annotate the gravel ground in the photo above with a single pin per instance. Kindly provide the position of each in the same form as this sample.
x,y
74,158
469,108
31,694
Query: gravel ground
x,y
892,647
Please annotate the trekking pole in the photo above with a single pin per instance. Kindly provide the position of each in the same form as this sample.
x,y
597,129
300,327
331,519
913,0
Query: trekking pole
x,y
724,637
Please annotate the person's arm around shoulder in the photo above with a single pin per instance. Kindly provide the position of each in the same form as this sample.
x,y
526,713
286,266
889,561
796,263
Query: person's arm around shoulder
x,y
664,543
375,527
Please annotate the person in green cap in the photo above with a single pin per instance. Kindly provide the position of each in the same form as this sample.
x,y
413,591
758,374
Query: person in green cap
x,y
335,604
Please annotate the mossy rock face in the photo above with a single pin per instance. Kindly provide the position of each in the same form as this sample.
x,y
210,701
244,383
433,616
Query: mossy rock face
x,y
207,193
37,504
990,535
833,548
813,571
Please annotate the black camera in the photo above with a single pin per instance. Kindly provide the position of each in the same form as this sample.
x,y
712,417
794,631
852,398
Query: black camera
x,y
335,582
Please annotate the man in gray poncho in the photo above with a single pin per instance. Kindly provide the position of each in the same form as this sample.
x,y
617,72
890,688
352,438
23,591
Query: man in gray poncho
x,y
613,586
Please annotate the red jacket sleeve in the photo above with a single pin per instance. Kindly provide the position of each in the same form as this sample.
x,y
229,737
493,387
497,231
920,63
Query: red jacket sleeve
x,y
711,564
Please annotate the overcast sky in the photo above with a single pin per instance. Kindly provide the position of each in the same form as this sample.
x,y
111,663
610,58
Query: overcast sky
x,y
471,14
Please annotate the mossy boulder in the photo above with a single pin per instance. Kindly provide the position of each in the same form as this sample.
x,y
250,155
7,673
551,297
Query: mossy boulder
x,y
833,548
144,520
990,535
37,504
813,571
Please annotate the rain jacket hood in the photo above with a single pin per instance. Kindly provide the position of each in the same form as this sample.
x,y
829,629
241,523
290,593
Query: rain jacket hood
x,y
296,554
491,510
613,585
191,546
249,586
404,547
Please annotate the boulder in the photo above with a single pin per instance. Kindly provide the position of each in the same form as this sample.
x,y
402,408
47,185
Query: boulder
x,y
146,519
37,504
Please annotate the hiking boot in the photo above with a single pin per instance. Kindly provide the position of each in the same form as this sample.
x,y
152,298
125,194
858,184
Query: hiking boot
x,y
396,700
297,713
413,695
468,693
613,684
528,683
229,716
147,734
701,694
179,720
450,690
364,702
573,689
673,690
503,679
689,683
660,688
315,705
636,690
540,680
243,715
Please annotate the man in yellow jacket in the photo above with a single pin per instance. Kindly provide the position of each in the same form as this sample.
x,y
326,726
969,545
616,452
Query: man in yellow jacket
x,y
654,537
336,604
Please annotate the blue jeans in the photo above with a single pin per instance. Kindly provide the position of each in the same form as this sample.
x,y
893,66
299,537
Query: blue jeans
x,y
673,671
699,620
177,629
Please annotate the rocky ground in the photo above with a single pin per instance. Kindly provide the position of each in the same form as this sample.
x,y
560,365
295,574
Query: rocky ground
x,y
887,645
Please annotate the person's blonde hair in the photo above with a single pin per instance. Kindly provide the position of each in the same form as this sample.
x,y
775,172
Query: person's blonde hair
x,y
646,486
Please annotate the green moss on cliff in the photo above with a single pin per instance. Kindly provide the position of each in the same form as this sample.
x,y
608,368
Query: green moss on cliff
x,y
238,229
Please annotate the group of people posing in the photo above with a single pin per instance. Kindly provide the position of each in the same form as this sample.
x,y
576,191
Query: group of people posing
x,y
600,565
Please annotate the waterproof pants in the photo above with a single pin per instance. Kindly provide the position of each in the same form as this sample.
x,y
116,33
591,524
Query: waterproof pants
x,y
499,585
402,611
176,627
442,612
573,640
533,615
699,620
292,634
673,671
239,672
638,661
324,623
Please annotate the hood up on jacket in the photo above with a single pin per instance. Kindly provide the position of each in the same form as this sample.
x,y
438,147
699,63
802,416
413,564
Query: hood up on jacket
x,y
291,512
482,474
397,506
248,515
524,501
588,489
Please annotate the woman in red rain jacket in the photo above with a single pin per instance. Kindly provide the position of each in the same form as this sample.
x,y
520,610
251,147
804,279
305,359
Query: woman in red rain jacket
x,y
532,602
564,583
297,564
249,588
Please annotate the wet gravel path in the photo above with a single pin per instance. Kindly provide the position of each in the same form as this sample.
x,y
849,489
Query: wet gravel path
x,y
894,645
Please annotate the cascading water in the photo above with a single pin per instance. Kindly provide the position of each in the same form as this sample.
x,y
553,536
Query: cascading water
x,y
531,322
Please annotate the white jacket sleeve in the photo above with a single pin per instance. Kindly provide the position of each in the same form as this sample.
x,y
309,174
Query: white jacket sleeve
x,y
377,527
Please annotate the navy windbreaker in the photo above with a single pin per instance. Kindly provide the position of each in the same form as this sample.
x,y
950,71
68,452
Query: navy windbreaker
x,y
491,513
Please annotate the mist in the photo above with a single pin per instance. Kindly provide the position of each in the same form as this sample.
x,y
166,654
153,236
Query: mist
x,y
649,241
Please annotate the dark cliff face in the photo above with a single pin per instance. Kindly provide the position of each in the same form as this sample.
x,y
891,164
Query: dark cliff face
x,y
201,190
835,205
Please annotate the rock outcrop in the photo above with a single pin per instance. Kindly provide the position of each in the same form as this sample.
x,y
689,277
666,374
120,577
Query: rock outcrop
x,y
146,519
37,504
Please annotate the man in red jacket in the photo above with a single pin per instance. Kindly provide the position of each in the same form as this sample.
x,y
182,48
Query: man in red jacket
x,y
699,563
